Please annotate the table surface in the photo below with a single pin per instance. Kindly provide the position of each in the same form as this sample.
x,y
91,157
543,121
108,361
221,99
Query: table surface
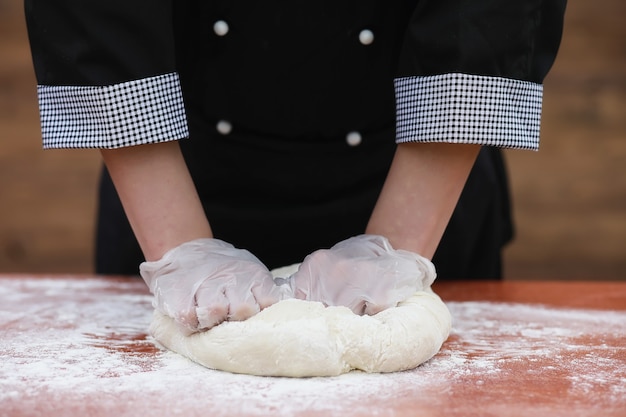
x,y
77,345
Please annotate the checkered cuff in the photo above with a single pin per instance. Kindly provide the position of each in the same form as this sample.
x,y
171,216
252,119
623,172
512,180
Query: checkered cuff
x,y
136,112
463,108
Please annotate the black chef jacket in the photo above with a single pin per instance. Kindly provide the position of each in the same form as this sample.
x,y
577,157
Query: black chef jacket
x,y
288,110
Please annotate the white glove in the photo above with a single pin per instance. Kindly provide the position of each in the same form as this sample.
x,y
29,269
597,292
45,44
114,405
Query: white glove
x,y
363,273
206,281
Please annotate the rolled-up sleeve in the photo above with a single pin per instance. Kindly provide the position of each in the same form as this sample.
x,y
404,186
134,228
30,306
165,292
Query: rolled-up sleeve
x,y
106,72
471,71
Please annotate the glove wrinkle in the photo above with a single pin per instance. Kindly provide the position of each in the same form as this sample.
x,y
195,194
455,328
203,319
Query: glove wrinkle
x,y
204,282
363,273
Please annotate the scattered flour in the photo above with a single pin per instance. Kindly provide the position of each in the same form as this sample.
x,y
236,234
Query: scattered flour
x,y
64,342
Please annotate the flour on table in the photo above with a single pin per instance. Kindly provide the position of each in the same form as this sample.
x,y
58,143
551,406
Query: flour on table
x,y
79,347
300,338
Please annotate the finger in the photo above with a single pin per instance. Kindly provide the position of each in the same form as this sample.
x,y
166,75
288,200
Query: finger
x,y
185,329
187,320
371,308
269,293
242,303
358,307
211,307
177,303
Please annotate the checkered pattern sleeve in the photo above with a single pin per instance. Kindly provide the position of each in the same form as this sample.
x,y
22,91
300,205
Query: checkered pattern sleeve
x,y
106,72
136,112
462,108
471,71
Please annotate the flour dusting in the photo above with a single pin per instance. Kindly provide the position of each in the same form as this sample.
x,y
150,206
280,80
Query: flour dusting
x,y
64,341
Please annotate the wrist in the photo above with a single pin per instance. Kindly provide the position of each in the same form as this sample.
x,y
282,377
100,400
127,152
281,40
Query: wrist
x,y
421,191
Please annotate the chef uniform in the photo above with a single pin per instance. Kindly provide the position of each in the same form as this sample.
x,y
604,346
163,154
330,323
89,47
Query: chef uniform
x,y
289,112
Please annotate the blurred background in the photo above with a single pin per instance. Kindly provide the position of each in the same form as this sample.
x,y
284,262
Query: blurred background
x,y
569,198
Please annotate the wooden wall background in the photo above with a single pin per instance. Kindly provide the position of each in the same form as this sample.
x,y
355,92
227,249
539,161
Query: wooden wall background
x,y
569,198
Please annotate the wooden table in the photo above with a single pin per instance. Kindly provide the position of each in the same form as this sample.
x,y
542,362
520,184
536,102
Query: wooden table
x,y
77,346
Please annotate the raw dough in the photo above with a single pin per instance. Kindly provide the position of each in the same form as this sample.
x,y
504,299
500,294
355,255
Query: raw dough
x,y
299,338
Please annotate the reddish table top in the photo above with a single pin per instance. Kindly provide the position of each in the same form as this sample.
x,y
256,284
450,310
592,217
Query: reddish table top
x,y
78,346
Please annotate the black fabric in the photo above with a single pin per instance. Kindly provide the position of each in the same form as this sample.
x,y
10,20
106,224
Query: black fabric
x,y
470,248
481,225
117,250
504,38
286,198
293,80
99,42
291,70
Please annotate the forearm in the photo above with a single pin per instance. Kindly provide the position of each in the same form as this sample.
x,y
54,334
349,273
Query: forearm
x,y
158,195
420,194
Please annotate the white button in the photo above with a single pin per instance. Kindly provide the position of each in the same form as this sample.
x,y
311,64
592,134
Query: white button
x,y
366,37
353,138
224,127
220,28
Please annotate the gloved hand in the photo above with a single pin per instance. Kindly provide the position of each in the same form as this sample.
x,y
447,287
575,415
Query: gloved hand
x,y
363,273
206,281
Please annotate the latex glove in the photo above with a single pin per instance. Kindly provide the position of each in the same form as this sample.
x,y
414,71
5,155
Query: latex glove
x,y
363,273
206,281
